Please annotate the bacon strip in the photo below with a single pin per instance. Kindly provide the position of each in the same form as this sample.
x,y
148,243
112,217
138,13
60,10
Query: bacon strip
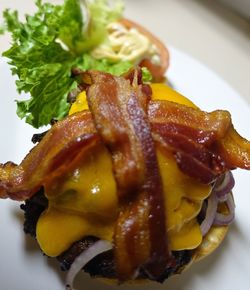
x,y
234,149
61,149
205,144
107,99
120,116
198,139
194,159
193,121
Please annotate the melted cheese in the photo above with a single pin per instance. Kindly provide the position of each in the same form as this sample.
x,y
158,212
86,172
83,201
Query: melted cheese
x,y
86,202
57,229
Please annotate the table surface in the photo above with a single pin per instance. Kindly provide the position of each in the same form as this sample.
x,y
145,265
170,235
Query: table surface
x,y
205,29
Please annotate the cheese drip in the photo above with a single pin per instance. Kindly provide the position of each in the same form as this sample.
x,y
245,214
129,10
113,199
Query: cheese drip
x,y
86,202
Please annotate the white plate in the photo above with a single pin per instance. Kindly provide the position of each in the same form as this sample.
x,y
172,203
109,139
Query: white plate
x,y
24,267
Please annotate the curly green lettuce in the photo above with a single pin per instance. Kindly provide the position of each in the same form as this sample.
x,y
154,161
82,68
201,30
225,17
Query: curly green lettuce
x,y
49,44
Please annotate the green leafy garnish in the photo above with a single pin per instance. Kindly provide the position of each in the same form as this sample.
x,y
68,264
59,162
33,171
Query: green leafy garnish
x,y
48,45
146,75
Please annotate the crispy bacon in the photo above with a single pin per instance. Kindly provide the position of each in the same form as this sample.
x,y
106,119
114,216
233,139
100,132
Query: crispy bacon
x,y
234,149
192,158
205,144
192,122
107,99
126,131
61,148
205,141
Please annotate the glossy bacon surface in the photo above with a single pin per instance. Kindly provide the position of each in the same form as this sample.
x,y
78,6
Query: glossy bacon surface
x,y
142,239
59,151
205,138
205,144
107,98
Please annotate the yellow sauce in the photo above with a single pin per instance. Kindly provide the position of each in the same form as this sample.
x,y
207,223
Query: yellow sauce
x,y
125,44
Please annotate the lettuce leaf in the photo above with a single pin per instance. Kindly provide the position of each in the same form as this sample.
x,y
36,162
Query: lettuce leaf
x,y
48,45
88,62
101,14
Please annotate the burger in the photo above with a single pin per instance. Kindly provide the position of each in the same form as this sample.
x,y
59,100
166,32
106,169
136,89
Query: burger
x,y
133,185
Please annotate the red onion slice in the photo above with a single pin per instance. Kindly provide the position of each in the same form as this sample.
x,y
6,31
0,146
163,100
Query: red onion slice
x,y
226,219
210,214
223,186
221,193
87,255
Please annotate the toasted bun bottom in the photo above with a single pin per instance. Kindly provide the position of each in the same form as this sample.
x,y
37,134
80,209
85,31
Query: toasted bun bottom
x,y
210,242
